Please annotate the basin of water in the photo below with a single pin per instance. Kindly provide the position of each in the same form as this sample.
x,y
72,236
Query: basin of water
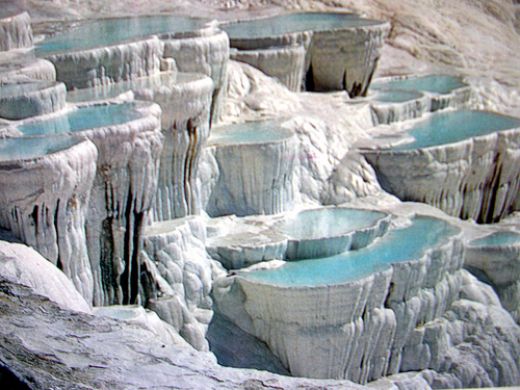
x,y
329,231
108,32
396,96
83,118
454,126
23,148
438,84
397,245
249,133
294,22
114,90
497,239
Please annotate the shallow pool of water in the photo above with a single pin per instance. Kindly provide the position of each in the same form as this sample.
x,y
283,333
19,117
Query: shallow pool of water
x,y
114,90
296,22
397,245
395,96
249,133
328,222
449,127
83,118
108,32
440,84
22,148
497,239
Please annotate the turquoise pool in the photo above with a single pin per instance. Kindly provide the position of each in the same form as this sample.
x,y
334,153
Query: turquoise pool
x,y
249,133
397,245
448,127
295,22
83,118
23,148
497,239
440,84
109,32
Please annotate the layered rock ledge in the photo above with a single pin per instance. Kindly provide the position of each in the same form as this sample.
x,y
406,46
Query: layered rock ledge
x,y
341,50
465,162
255,168
45,188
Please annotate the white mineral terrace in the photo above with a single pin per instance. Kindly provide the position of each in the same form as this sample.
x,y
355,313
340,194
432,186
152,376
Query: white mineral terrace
x,y
191,209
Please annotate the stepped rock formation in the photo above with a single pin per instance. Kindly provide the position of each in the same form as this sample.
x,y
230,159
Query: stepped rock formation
x,y
420,322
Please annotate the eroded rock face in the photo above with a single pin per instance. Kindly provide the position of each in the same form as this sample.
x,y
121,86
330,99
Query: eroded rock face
x,y
176,277
255,164
205,52
15,31
100,66
44,198
43,346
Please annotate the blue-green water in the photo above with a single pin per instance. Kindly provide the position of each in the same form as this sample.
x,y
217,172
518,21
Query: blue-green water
x,y
16,89
83,118
398,245
395,96
108,32
23,148
296,22
113,90
328,222
440,84
448,127
497,239
249,133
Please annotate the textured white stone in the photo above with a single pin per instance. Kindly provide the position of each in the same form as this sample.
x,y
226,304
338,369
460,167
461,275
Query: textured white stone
x,y
15,31
99,66
22,264
205,51
177,277
284,63
44,202
23,100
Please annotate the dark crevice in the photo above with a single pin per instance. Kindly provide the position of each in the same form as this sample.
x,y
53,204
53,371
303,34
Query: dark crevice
x,y
9,380
129,279
59,263
34,216
309,79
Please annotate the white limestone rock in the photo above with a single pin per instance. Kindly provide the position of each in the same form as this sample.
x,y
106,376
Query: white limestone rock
x,y
23,100
285,63
345,59
185,101
24,66
44,197
15,31
146,318
203,51
177,277
22,264
478,178
255,170
104,65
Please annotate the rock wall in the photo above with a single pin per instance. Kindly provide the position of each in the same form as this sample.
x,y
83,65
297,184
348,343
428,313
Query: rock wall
x,y
100,66
185,126
176,277
344,59
15,32
44,202
122,195
206,52
255,178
